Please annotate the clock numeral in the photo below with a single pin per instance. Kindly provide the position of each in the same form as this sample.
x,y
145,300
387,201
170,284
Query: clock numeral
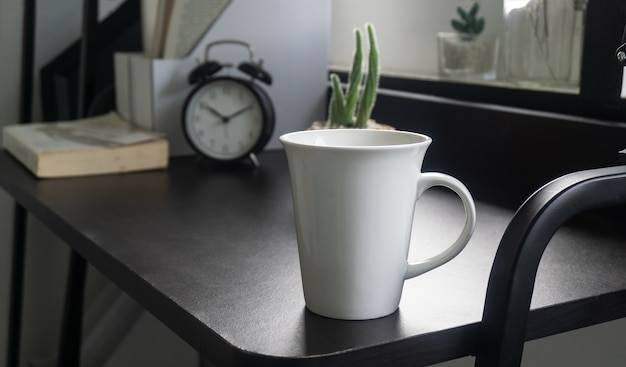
x,y
225,149
212,94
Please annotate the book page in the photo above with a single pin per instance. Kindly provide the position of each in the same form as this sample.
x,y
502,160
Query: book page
x,y
155,16
108,130
189,21
162,20
149,11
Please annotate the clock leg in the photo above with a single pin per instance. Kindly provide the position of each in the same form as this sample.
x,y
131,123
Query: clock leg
x,y
255,160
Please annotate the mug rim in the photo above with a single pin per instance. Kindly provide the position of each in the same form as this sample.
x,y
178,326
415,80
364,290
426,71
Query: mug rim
x,y
419,139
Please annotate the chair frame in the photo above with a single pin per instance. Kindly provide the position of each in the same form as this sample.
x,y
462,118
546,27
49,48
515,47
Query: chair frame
x,y
512,277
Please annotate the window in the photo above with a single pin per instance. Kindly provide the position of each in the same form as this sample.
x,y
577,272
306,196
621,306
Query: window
x,y
406,31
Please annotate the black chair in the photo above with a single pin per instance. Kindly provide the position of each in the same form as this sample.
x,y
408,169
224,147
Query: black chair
x,y
512,278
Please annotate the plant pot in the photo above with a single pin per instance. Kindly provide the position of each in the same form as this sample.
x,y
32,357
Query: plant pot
x,y
371,124
467,58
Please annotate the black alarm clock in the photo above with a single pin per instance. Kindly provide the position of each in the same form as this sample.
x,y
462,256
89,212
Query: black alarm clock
x,y
228,118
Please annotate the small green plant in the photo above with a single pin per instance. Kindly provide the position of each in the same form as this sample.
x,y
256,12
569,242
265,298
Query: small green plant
x,y
470,25
353,109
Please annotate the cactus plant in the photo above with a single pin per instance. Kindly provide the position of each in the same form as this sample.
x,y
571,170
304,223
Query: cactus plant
x,y
470,25
352,109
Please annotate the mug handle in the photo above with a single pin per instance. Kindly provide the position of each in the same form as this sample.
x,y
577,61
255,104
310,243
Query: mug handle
x,y
426,181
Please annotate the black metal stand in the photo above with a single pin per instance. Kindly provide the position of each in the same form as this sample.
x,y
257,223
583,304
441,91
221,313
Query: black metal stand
x,y
71,333
620,53
17,286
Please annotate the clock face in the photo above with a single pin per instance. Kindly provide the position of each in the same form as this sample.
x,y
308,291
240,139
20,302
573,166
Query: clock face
x,y
224,119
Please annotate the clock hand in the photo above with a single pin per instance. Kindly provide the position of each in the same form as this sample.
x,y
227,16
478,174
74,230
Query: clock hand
x,y
239,112
214,111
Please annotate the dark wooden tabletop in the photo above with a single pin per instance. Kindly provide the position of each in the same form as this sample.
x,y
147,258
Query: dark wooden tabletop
x,y
211,251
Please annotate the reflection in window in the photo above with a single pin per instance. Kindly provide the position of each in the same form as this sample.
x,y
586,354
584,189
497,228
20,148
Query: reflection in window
x,y
544,41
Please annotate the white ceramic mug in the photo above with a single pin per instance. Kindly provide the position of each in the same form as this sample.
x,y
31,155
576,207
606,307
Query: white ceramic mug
x,y
354,194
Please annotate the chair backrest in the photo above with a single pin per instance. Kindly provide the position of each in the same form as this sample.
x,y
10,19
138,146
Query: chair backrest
x,y
512,277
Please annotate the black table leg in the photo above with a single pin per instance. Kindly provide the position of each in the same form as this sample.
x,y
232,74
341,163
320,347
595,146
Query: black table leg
x,y
69,353
17,286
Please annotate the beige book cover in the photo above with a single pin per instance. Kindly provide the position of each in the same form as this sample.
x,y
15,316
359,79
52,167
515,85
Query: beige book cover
x,y
96,145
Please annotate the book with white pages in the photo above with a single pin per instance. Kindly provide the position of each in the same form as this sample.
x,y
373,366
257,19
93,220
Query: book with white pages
x,y
96,145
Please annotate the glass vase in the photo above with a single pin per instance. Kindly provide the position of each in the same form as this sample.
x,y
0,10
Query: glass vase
x,y
462,58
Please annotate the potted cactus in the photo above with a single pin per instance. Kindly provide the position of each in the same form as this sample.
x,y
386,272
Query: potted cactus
x,y
466,52
353,108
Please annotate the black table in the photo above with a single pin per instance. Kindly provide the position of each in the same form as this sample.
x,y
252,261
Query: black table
x,y
211,252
